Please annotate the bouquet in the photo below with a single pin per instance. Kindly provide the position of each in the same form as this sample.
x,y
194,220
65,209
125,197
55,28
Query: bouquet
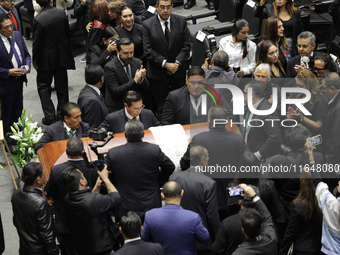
x,y
26,134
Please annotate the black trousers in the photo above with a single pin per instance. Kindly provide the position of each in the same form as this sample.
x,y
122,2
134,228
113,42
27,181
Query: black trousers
x,y
44,81
11,105
159,90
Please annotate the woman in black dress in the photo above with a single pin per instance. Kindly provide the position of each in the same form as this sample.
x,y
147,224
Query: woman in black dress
x,y
128,29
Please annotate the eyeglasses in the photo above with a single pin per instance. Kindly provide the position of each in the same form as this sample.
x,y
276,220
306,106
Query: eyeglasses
x,y
139,108
163,7
318,69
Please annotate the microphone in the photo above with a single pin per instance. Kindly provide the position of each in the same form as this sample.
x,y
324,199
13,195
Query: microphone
x,y
305,60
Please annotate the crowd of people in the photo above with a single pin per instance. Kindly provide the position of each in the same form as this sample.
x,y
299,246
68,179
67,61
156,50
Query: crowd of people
x,y
138,76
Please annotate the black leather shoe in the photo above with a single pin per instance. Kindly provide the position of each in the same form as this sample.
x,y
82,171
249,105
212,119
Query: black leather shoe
x,y
211,5
189,4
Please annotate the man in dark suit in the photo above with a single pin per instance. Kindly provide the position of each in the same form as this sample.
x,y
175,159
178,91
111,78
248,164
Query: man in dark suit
x,y
225,148
87,213
56,190
306,43
257,226
130,226
262,136
15,63
123,73
173,227
184,106
90,100
52,56
140,165
166,43
330,129
70,125
200,194
134,109
7,7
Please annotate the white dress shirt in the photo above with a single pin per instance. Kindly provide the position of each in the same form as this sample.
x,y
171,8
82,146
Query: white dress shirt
x,y
235,54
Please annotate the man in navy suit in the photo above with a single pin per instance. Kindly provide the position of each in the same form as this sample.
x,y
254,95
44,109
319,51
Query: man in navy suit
x,y
133,109
15,63
55,189
166,43
130,227
90,100
123,73
138,170
7,7
70,125
306,43
173,227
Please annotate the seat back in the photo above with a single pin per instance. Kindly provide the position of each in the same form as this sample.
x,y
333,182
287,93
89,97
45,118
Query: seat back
x,y
227,10
199,50
248,13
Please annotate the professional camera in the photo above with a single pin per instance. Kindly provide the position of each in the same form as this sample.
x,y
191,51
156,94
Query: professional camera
x,y
98,134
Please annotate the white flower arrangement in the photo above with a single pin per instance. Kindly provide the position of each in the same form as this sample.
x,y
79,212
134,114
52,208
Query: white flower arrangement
x,y
26,134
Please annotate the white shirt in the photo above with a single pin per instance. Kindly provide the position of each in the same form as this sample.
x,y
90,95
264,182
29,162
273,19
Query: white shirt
x,y
199,101
163,23
128,115
8,48
235,54
131,240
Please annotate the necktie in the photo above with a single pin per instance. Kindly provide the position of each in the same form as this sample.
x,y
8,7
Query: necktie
x,y
196,101
72,133
14,51
243,132
128,72
15,23
166,31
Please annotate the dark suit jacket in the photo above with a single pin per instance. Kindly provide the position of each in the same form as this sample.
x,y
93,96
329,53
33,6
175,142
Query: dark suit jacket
x,y
139,246
266,242
57,132
98,56
137,169
178,108
115,121
291,73
174,228
7,82
200,196
16,15
156,48
92,106
265,139
117,82
51,40
56,189
225,148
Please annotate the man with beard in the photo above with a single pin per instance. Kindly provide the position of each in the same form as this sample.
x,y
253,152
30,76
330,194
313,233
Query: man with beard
x,y
123,73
